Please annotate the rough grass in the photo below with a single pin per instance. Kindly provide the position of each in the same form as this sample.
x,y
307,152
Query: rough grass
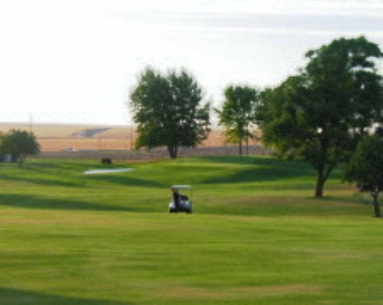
x,y
258,236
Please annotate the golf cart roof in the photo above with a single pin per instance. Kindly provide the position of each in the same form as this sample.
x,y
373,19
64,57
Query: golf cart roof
x,y
181,186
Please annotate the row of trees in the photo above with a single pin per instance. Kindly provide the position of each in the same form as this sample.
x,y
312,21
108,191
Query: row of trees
x,y
318,115
169,112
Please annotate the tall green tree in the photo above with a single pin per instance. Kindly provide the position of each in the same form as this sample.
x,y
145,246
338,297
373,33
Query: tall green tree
x,y
238,114
320,114
167,111
20,144
366,168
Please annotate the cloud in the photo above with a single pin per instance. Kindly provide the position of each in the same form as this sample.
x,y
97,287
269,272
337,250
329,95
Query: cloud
x,y
66,59
316,7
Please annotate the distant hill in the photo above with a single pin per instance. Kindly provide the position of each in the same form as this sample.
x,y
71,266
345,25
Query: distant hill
x,y
72,137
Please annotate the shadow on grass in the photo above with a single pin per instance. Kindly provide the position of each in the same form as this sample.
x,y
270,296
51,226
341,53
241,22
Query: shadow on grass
x,y
37,202
10,296
245,160
79,180
124,180
260,169
258,161
52,180
260,174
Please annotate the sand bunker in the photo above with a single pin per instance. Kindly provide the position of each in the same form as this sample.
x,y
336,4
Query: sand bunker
x,y
107,171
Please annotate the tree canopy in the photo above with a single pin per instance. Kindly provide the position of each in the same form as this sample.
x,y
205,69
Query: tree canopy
x,y
238,114
366,168
320,114
167,111
20,144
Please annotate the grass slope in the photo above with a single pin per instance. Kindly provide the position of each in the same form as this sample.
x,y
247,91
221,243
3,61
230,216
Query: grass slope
x,y
257,235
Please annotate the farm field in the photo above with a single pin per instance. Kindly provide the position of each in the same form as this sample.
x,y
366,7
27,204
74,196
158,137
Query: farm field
x,y
256,236
58,137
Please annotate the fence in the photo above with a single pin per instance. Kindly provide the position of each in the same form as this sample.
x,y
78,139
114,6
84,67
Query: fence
x,y
159,153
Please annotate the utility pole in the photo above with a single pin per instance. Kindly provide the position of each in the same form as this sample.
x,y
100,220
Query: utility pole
x,y
131,138
30,123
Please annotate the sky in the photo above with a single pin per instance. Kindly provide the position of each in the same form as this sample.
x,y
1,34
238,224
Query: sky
x,y
77,61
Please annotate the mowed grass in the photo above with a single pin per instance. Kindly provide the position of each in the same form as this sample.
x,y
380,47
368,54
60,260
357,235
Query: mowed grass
x,y
257,235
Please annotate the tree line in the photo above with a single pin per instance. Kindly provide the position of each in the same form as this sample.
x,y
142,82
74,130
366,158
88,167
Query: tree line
x,y
322,115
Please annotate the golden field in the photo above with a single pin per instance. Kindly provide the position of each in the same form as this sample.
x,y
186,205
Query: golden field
x,y
68,137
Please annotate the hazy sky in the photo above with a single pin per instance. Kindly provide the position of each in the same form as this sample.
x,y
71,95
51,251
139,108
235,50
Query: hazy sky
x,y
75,61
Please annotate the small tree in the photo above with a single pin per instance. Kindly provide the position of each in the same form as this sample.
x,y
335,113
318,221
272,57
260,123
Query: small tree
x,y
237,114
366,168
19,144
168,113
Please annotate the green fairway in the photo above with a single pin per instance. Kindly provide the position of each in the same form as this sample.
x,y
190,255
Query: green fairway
x,y
257,235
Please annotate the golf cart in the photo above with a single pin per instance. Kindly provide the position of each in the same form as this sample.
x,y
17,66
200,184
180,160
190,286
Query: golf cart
x,y
185,205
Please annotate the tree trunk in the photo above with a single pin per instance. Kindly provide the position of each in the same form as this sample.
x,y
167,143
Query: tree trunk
x,y
20,160
240,147
376,204
173,150
320,184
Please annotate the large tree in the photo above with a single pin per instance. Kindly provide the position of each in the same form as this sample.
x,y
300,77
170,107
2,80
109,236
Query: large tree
x,y
167,111
19,144
366,168
238,114
320,114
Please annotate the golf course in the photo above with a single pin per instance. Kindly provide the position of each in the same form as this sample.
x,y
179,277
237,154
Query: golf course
x,y
257,234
